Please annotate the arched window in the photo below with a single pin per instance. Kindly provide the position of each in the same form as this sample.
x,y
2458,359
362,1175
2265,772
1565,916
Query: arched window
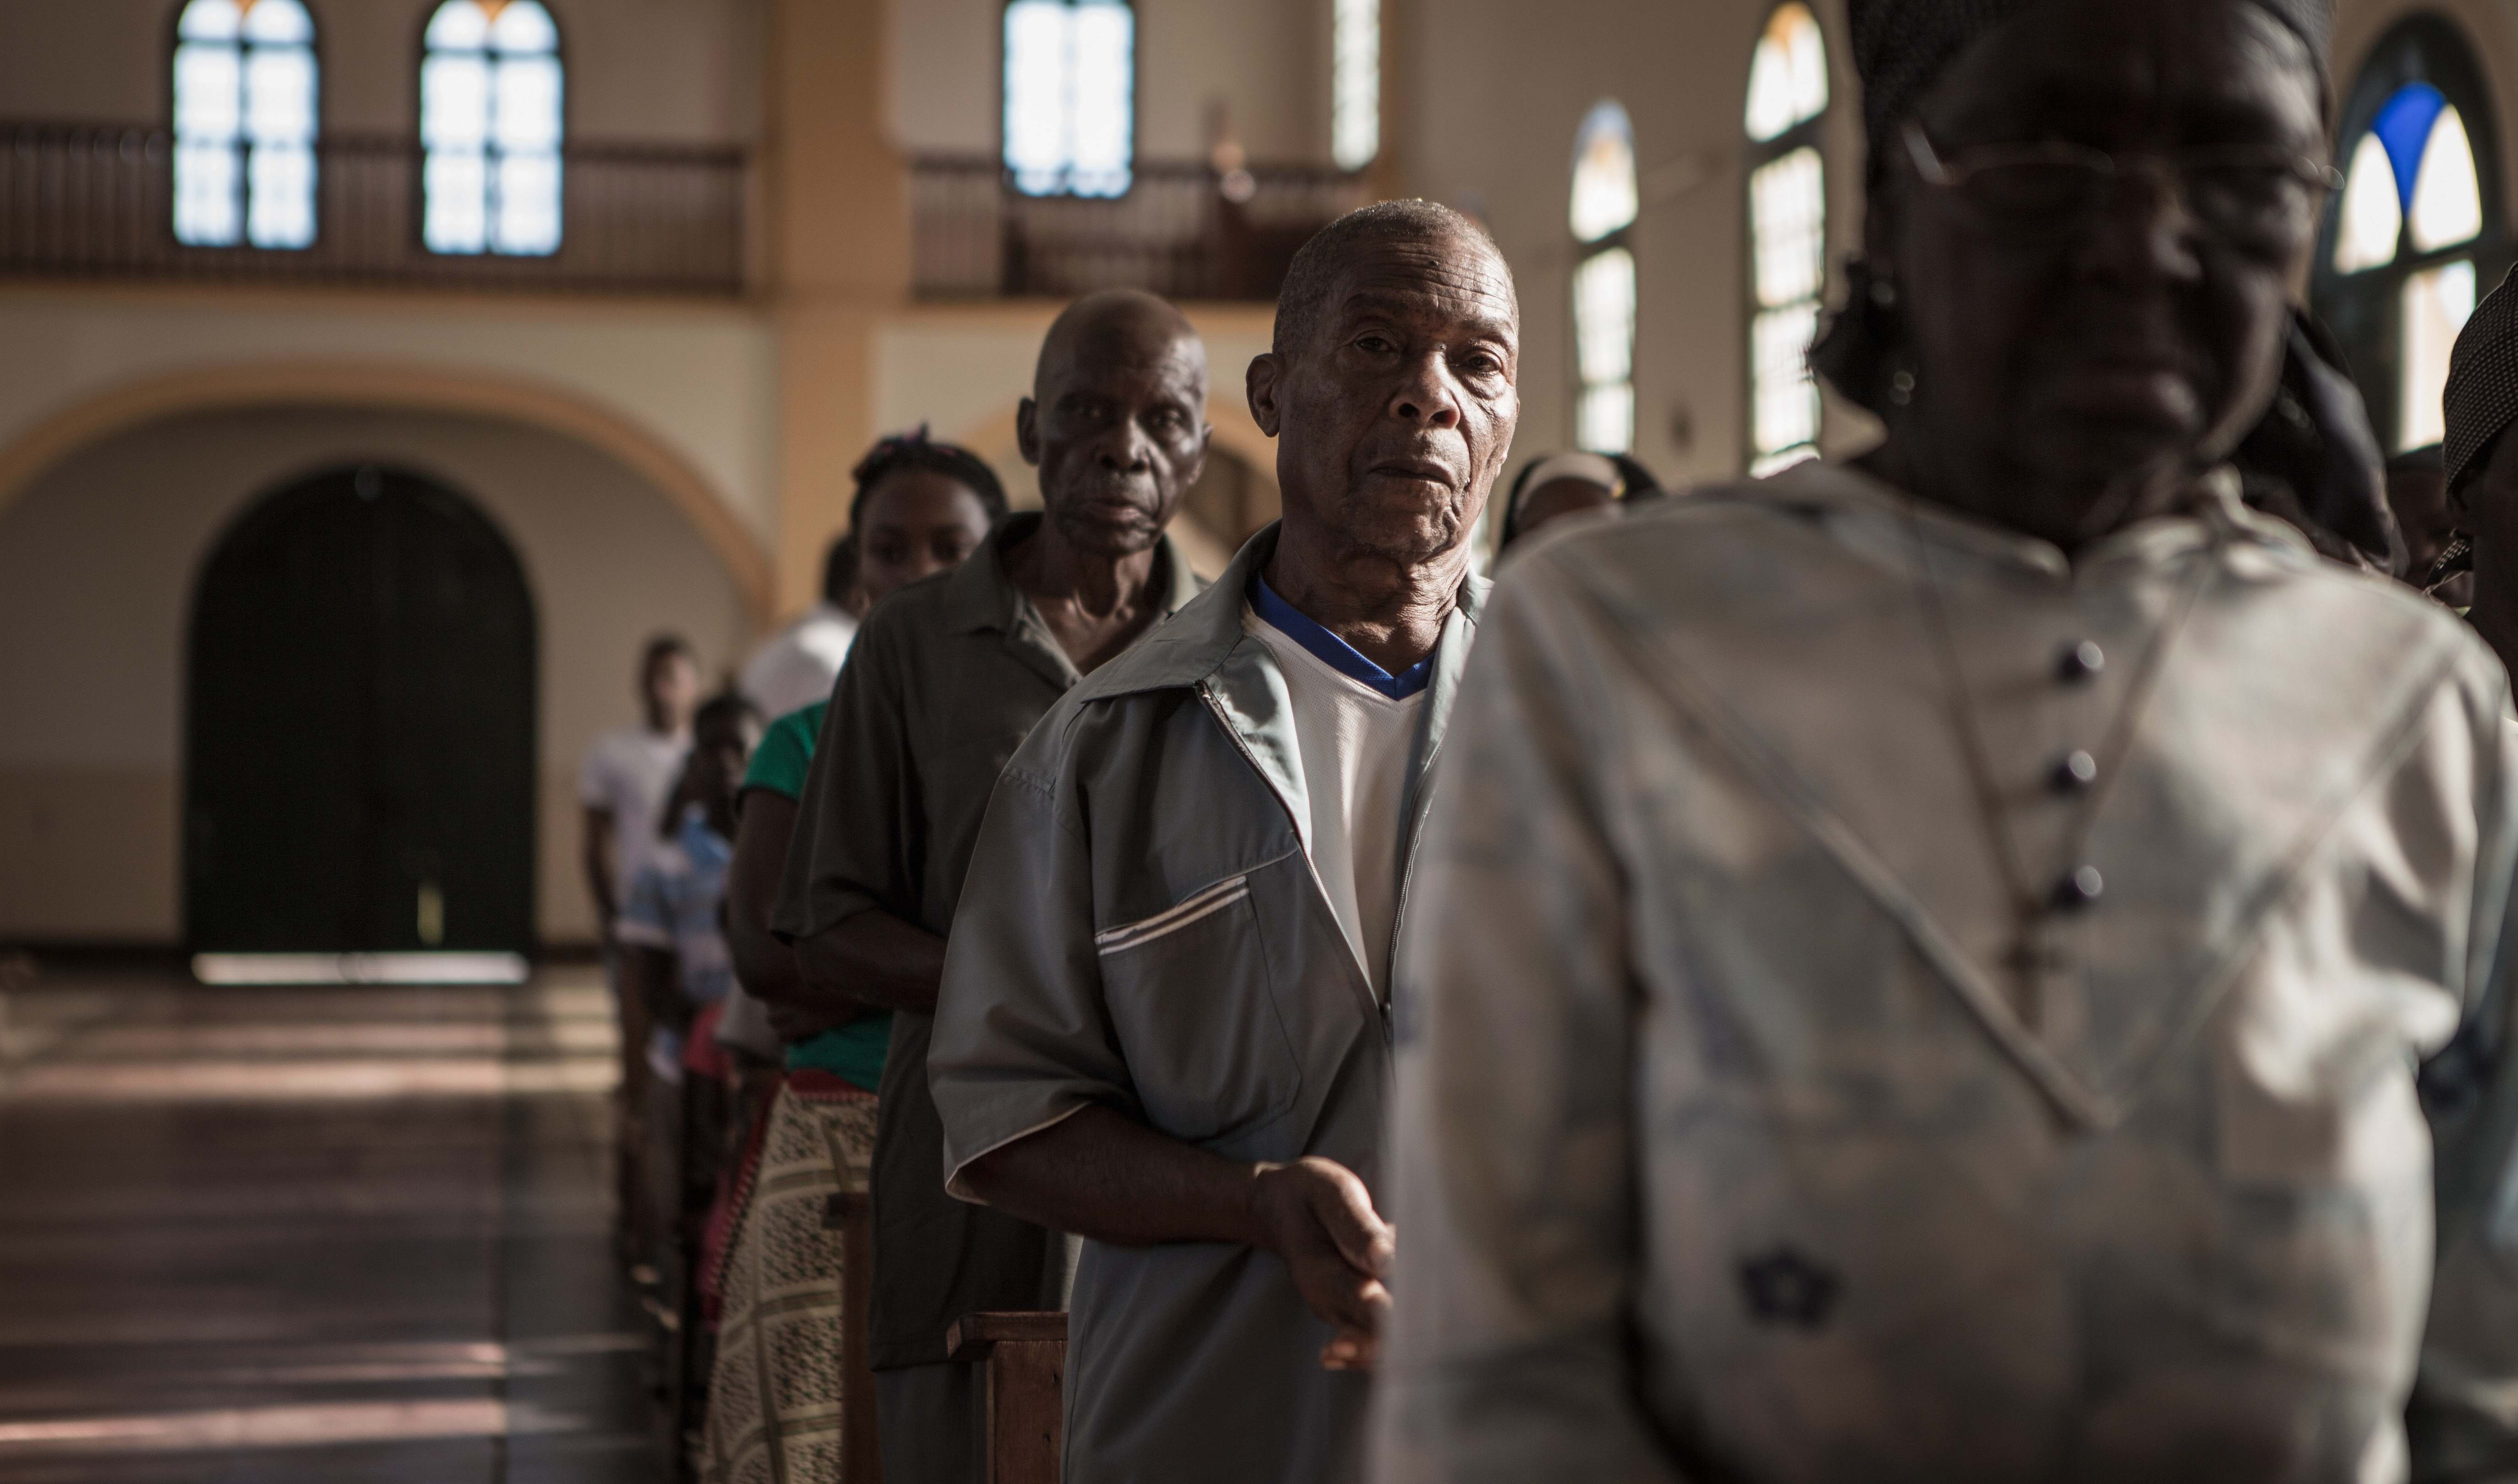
x,y
244,125
1355,83
2411,236
490,121
1603,218
1786,235
1071,100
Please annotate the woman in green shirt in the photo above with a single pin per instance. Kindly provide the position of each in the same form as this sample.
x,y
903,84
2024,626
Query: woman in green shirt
x,y
921,507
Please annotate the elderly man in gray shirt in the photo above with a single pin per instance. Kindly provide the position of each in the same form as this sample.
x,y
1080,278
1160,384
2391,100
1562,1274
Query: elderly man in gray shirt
x,y
946,678
1165,1022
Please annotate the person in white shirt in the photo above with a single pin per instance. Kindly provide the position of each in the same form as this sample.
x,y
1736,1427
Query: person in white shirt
x,y
621,788
628,772
796,666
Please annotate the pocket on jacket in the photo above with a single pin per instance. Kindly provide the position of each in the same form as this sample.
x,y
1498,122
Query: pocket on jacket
x,y
1191,1000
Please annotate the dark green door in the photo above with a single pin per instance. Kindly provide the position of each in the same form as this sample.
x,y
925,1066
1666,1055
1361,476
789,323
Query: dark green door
x,y
361,726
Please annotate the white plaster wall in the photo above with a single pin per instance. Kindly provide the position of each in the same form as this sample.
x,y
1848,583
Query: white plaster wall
x,y
1261,58
679,70
97,560
702,379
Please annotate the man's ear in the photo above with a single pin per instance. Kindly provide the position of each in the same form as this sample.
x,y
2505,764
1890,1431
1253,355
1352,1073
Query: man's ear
x,y
1027,431
1266,373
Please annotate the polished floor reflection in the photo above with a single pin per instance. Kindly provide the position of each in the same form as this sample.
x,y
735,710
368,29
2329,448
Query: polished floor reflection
x,y
343,1235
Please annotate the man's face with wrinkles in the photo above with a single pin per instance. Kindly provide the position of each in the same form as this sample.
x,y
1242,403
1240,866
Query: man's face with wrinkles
x,y
1394,415
1118,429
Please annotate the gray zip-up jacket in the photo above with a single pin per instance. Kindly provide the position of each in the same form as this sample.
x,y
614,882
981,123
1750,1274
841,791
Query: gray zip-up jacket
x,y
1742,1135
1142,930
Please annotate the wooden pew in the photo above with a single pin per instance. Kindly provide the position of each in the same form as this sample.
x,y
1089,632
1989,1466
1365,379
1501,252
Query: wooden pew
x,y
1022,1393
859,1455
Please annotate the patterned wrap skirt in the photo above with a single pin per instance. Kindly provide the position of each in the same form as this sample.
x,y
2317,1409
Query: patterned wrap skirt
x,y
778,1396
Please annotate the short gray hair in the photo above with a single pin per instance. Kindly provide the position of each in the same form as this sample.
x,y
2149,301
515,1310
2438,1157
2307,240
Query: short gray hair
x,y
1314,273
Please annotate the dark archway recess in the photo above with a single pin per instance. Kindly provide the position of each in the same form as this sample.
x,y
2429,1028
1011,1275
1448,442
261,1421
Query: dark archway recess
x,y
360,758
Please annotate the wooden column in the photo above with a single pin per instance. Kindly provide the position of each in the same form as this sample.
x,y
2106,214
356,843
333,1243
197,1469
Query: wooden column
x,y
1024,1398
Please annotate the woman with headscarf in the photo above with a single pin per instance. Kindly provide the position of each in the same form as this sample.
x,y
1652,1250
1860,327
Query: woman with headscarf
x,y
1920,968
1558,485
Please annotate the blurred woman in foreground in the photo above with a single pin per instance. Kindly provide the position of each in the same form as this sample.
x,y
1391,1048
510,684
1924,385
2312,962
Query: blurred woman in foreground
x,y
1962,925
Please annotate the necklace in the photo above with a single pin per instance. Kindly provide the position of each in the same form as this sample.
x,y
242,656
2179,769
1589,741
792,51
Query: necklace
x,y
2090,775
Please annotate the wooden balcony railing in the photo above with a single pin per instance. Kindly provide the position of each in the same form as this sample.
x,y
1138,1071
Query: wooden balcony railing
x,y
1183,230
83,200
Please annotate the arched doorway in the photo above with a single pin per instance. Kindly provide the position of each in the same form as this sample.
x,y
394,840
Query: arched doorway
x,y
359,725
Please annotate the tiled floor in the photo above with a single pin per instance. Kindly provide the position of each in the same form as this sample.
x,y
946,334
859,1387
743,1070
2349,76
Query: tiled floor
x,y
336,1235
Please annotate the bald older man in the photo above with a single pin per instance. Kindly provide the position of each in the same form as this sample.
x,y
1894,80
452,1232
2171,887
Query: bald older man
x,y
946,677
1165,1021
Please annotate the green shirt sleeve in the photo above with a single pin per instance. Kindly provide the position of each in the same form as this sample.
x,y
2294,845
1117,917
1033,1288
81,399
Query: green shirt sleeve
x,y
786,752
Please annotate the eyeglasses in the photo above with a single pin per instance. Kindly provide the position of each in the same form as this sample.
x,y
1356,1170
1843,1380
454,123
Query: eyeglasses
x,y
2255,196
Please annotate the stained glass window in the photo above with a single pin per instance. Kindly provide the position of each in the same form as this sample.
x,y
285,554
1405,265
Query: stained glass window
x,y
1787,105
490,128
1071,104
2412,177
1602,211
244,125
2414,223
1355,83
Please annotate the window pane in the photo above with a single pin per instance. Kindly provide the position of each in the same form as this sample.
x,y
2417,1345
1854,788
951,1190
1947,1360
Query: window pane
x,y
279,20
2438,302
1035,108
280,95
1605,315
205,193
454,103
1604,173
1070,96
524,28
1104,98
1355,83
457,215
1788,228
528,216
209,92
2366,233
2404,127
1785,400
527,111
208,20
459,25
1604,421
2448,200
282,196
1787,74
1604,349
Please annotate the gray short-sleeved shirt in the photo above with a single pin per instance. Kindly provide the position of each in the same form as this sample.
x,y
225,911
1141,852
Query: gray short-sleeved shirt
x,y
945,679
1144,931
